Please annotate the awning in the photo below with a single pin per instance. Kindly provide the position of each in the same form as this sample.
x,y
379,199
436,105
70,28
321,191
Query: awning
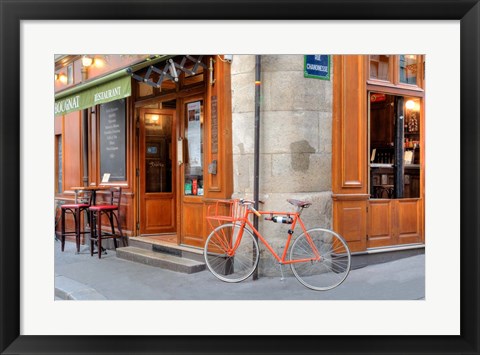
x,y
110,91
108,88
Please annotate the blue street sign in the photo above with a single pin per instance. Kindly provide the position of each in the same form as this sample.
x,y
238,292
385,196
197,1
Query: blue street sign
x,y
317,66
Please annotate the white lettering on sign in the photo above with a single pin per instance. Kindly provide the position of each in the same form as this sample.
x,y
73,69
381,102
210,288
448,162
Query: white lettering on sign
x,y
317,67
71,103
107,94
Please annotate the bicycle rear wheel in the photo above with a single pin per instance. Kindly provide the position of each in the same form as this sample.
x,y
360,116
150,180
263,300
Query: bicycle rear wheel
x,y
222,261
326,272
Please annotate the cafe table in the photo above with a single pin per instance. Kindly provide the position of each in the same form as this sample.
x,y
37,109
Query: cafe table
x,y
92,188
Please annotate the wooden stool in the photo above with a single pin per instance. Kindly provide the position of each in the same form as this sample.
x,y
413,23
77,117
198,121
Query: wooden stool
x,y
82,203
112,211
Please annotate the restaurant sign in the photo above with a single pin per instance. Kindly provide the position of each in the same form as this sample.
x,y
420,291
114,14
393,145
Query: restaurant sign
x,y
317,66
103,93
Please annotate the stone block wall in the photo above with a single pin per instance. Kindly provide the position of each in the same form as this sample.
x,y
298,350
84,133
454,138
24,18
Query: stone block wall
x,y
295,142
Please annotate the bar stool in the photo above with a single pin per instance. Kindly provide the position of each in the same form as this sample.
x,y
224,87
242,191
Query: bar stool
x,y
112,211
83,200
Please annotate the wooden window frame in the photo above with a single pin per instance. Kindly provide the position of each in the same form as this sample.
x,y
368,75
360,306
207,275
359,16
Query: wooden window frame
x,y
394,72
420,75
391,73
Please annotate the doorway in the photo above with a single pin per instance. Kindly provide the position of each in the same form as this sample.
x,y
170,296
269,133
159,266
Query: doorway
x,y
157,171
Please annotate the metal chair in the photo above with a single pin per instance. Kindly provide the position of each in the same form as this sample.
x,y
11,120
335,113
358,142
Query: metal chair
x,y
83,200
112,211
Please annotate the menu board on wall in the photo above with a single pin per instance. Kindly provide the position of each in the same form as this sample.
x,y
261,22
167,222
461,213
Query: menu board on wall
x,y
112,140
214,129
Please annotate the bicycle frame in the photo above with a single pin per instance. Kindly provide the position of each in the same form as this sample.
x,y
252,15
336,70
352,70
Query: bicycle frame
x,y
282,260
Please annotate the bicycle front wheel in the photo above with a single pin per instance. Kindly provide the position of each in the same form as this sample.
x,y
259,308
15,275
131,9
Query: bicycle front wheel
x,y
225,263
328,259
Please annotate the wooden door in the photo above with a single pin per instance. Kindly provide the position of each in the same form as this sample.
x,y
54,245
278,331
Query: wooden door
x,y
157,171
192,171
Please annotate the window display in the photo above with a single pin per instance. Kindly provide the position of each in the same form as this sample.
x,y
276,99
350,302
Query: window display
x,y
194,148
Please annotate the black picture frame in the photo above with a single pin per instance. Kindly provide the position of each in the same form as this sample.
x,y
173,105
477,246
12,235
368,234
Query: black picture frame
x,y
12,12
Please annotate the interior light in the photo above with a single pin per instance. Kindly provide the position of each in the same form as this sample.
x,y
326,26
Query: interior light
x,y
410,104
154,118
87,61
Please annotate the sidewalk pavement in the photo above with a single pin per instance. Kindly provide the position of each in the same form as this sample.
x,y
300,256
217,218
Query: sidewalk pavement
x,y
82,277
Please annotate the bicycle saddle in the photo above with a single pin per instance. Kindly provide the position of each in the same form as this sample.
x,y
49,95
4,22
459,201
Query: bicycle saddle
x,y
299,203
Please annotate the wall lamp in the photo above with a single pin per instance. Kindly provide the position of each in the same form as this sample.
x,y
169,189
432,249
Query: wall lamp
x,y
61,77
87,61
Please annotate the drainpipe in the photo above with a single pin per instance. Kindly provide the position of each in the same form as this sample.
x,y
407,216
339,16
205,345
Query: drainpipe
x,y
85,146
258,85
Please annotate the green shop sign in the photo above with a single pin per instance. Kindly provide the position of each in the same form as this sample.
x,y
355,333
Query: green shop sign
x,y
94,95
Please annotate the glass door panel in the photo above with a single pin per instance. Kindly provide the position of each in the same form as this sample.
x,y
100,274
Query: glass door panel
x,y
158,153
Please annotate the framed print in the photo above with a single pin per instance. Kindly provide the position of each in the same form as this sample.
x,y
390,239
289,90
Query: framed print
x,y
21,177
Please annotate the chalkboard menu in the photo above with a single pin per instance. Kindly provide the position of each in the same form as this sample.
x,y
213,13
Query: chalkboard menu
x,y
112,140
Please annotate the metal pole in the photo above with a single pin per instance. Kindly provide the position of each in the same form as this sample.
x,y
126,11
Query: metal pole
x,y
86,220
256,166
85,146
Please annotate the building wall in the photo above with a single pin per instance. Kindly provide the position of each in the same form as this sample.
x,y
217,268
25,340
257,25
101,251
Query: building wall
x,y
295,142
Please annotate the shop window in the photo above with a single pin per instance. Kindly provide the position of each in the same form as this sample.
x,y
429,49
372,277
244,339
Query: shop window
x,y
193,123
380,67
408,65
113,141
58,163
158,153
394,146
70,74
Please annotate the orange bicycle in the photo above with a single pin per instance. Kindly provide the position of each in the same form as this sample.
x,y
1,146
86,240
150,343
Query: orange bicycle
x,y
319,258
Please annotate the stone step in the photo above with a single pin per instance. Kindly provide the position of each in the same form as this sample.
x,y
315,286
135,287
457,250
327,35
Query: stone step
x,y
168,248
162,260
385,254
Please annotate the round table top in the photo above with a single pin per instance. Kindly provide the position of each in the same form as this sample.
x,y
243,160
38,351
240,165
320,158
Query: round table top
x,y
91,187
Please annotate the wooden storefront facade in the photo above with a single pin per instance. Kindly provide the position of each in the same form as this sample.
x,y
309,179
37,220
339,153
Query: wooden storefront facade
x,y
177,145
378,165
174,153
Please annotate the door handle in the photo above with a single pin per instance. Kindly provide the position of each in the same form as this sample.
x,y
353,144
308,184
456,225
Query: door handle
x,y
180,151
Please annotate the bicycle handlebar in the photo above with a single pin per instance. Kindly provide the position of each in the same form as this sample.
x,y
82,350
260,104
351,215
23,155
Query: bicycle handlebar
x,y
246,202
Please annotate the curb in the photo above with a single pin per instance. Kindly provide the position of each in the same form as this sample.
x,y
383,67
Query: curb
x,y
68,289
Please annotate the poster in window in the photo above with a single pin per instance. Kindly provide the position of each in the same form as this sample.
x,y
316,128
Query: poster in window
x,y
194,134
